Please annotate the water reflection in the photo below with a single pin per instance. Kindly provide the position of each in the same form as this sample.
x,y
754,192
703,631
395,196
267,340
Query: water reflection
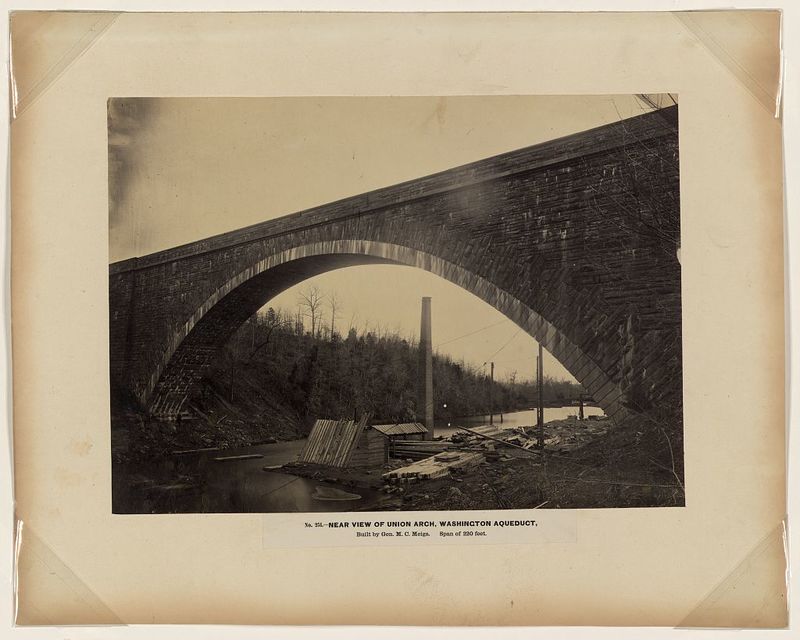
x,y
196,483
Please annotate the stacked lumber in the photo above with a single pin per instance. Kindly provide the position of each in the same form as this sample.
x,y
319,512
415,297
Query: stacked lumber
x,y
521,439
431,468
488,430
332,442
416,449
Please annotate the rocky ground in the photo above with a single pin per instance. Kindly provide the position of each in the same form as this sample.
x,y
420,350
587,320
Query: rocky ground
x,y
588,464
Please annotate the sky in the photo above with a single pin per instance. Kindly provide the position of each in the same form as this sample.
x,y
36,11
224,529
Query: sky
x,y
182,169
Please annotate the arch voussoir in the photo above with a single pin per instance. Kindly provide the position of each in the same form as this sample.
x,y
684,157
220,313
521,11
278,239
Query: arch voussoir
x,y
193,346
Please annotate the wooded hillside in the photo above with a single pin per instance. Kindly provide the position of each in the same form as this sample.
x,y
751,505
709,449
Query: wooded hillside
x,y
276,365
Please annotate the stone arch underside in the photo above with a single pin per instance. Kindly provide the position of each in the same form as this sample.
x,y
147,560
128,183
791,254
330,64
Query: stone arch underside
x,y
192,348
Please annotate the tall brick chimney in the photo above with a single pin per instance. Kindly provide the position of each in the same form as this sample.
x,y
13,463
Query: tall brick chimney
x,y
425,372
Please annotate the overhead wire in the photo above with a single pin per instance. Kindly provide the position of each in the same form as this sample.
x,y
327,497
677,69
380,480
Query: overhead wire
x,y
508,342
472,333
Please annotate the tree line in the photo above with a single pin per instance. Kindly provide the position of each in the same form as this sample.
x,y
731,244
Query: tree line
x,y
301,363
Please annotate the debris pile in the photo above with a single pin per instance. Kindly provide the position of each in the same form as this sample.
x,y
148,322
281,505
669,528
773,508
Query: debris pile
x,y
470,447
473,467
434,467
570,434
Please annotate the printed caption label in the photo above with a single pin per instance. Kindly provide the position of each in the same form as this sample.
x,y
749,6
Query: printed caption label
x,y
418,528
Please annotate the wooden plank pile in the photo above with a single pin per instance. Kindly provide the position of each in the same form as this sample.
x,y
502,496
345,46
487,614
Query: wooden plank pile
x,y
506,438
332,442
472,434
489,430
522,440
416,449
432,468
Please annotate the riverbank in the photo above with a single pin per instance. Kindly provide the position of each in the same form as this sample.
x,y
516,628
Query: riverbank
x,y
615,469
585,464
594,463
137,439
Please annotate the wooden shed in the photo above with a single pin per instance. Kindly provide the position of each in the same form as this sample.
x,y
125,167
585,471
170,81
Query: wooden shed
x,y
344,443
404,439
371,449
374,445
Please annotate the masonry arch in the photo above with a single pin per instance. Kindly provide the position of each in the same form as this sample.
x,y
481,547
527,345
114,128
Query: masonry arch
x,y
190,349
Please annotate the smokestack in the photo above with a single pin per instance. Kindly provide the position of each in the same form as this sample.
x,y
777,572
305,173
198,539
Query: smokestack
x,y
425,395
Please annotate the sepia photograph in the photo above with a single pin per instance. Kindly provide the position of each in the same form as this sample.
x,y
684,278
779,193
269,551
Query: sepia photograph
x,y
314,307
377,304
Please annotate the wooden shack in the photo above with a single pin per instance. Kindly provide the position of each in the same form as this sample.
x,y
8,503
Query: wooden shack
x,y
405,439
370,450
374,445
344,443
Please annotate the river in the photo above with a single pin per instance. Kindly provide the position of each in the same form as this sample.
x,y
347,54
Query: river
x,y
196,483
443,427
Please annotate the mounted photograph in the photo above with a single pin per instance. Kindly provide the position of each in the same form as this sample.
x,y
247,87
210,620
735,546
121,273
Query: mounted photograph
x,y
335,304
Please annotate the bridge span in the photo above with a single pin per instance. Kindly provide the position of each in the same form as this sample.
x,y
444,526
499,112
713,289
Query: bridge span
x,y
575,240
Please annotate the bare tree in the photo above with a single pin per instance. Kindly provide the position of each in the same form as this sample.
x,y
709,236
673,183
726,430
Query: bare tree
x,y
353,320
334,304
272,320
310,301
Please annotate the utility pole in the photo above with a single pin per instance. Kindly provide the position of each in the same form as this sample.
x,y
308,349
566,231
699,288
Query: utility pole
x,y
425,397
540,403
491,396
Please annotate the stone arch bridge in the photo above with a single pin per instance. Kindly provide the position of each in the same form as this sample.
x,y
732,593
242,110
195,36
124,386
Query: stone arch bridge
x,y
575,240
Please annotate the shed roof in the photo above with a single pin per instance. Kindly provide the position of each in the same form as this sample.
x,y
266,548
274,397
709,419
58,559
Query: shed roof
x,y
400,429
